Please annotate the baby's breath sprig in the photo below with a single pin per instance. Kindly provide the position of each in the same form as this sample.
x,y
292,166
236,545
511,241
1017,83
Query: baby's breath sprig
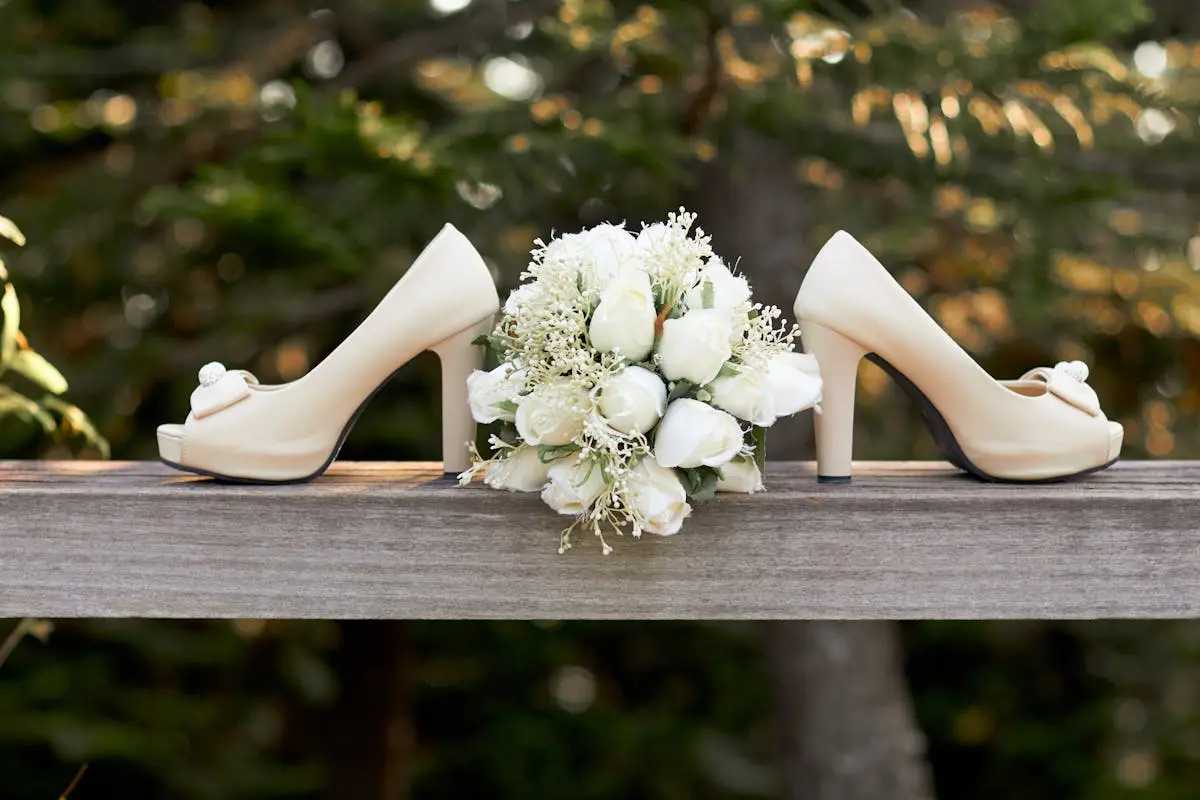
x,y
674,253
765,337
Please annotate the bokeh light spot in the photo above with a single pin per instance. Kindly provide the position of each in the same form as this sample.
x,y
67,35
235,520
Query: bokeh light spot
x,y
1150,59
325,59
511,78
446,7
574,688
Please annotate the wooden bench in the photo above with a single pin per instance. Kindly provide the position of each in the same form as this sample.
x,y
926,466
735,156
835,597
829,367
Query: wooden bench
x,y
390,540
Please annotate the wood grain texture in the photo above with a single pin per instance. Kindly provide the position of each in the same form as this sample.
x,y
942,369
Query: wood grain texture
x,y
379,540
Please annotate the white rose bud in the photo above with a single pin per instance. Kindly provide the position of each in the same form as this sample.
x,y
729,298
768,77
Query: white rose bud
x,y
553,413
493,395
525,296
747,395
574,486
695,346
611,248
573,251
634,400
740,475
694,434
795,380
658,495
624,321
522,471
653,237
719,288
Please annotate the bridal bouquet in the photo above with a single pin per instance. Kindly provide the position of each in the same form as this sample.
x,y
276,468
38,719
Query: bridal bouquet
x,y
635,374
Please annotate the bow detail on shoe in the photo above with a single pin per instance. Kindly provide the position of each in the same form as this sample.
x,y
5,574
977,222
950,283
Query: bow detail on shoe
x,y
1067,380
219,389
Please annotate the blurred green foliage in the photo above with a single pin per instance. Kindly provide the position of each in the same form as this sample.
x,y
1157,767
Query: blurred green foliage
x,y
58,420
247,709
242,180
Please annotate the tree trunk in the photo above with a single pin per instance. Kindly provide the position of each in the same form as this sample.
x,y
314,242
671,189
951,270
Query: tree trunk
x,y
845,721
371,734
756,211
844,713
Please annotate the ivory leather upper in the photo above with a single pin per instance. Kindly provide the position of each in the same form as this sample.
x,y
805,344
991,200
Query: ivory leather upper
x,y
288,431
1016,430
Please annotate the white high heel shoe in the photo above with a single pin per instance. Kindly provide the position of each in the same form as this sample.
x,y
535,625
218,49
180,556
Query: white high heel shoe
x,y
241,430
1046,426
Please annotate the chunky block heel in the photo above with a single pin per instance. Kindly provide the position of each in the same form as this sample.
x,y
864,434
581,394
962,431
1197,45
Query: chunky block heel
x,y
834,426
460,356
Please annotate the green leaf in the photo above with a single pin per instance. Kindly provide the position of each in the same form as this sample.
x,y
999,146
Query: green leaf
x,y
38,370
11,309
10,231
22,407
700,482
703,395
680,389
496,351
688,478
13,403
759,434
553,452
77,422
508,434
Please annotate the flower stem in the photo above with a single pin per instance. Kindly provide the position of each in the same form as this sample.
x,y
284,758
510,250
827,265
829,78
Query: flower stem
x,y
662,316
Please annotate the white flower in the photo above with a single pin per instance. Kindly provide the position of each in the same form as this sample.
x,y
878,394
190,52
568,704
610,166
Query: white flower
x,y
522,471
694,434
695,346
493,395
634,400
652,237
747,395
658,496
595,255
740,475
673,252
572,254
795,380
612,247
721,288
624,321
553,413
574,486
527,295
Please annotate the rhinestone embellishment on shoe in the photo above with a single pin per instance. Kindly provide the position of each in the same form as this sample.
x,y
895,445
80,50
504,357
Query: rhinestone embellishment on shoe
x,y
1075,369
211,372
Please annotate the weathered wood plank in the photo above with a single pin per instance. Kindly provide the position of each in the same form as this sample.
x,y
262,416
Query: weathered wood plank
x,y
386,540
